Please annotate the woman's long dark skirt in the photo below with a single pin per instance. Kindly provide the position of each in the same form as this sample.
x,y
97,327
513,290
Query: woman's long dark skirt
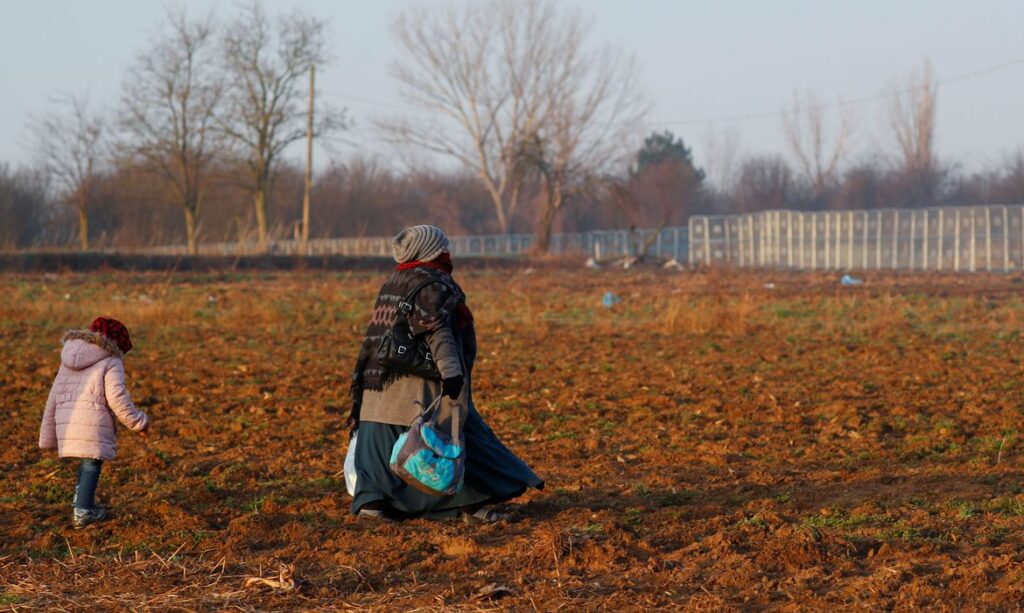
x,y
493,473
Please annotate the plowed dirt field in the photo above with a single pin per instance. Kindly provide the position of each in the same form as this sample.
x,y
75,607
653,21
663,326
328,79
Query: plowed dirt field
x,y
709,443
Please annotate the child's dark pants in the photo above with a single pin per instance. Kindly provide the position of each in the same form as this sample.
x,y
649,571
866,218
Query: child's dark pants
x,y
88,477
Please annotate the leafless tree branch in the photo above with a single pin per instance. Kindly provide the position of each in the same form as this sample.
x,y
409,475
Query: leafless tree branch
x,y
170,99
515,91
912,111
818,155
70,141
266,62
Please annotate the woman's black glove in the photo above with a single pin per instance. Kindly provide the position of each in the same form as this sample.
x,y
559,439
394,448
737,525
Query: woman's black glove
x,y
356,392
452,386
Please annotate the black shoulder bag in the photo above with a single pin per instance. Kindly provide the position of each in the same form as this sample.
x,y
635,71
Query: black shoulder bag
x,y
402,352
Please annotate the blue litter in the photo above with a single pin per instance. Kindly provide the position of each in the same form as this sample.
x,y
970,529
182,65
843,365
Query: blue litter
x,y
610,300
848,280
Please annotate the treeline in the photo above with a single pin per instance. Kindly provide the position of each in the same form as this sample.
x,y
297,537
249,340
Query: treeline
x,y
541,124
366,198
362,197
770,182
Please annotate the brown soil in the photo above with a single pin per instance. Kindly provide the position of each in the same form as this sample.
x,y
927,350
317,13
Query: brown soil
x,y
708,444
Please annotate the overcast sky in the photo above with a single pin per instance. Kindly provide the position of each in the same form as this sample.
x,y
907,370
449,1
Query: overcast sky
x,y
698,61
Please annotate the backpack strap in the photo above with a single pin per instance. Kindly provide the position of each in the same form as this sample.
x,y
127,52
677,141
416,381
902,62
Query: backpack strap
x,y
405,306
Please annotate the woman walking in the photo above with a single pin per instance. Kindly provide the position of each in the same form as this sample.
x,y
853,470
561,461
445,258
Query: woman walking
x,y
385,403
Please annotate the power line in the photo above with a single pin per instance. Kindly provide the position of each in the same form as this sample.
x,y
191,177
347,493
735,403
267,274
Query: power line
x,y
767,114
725,118
372,102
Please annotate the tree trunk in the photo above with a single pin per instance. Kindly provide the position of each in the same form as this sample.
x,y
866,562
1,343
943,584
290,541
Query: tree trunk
x,y
190,230
260,203
83,227
543,243
553,204
645,246
499,209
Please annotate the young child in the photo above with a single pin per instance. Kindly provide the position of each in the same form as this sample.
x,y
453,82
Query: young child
x,y
87,394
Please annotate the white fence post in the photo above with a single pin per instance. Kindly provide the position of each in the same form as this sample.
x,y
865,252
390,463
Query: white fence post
x,y
750,241
924,239
864,239
814,241
956,242
759,217
941,249
778,239
838,250
913,237
801,240
789,239
974,240
988,238
1006,240
828,245
849,240
740,243
878,240
707,241
896,239
689,246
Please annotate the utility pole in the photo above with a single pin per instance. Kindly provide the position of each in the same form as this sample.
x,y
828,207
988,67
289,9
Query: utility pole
x,y
309,166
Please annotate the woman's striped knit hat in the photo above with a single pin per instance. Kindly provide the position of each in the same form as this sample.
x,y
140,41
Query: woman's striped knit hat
x,y
419,243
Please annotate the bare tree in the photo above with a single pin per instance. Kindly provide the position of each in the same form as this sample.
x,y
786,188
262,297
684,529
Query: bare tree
x,y
266,65
1013,179
170,98
817,154
460,64
70,142
23,207
595,111
764,183
652,196
514,91
721,153
912,106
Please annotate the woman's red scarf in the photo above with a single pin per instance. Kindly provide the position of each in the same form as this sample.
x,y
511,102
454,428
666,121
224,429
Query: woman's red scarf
x,y
443,262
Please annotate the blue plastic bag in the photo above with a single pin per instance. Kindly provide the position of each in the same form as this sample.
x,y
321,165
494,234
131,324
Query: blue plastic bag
x,y
428,459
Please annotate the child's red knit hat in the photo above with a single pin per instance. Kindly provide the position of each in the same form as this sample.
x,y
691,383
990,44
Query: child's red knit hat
x,y
113,330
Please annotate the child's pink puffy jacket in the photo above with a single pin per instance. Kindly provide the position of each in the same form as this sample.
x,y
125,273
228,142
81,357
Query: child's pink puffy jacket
x,y
86,396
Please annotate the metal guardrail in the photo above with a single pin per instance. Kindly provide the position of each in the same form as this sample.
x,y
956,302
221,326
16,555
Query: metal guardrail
x,y
971,238
601,244
968,238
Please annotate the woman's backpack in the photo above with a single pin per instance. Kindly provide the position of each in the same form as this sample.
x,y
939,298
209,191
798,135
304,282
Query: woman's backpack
x,y
428,459
400,351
